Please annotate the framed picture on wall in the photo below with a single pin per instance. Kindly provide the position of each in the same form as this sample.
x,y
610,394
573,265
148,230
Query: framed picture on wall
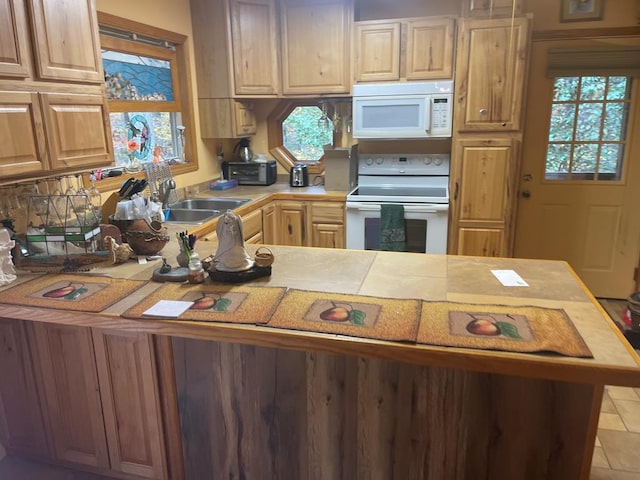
x,y
581,10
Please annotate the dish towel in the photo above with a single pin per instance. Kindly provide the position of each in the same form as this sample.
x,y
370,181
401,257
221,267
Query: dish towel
x,y
393,235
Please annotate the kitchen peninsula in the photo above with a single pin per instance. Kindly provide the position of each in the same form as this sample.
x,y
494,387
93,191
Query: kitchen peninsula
x,y
262,402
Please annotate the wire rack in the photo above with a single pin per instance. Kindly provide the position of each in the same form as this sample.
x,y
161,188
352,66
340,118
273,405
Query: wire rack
x,y
156,174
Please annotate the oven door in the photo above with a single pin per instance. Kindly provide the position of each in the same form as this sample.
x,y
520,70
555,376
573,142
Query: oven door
x,y
426,227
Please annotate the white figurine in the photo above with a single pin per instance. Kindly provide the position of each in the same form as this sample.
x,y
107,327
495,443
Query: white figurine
x,y
231,255
7,271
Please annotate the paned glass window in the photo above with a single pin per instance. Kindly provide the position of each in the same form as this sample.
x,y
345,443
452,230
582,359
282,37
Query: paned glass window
x,y
305,131
143,92
587,130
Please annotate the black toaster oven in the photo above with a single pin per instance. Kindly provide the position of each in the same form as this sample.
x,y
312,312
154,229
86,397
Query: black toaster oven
x,y
253,173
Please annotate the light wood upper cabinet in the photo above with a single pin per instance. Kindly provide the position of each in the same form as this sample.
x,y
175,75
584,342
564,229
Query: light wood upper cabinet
x,y
316,45
254,43
491,69
226,118
77,132
483,174
71,394
21,422
130,403
22,138
14,46
491,8
66,42
411,49
236,46
377,51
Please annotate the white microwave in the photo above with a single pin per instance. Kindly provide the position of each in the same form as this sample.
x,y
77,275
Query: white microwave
x,y
403,110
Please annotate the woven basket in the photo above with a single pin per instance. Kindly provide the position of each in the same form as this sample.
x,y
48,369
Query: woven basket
x,y
264,257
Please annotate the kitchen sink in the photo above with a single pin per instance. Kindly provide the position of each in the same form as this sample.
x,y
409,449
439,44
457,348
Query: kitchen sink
x,y
184,215
201,210
222,204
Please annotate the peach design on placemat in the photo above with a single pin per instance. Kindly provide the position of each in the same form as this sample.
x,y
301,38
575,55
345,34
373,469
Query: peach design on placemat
x,y
354,313
227,302
384,318
509,328
71,292
484,324
221,302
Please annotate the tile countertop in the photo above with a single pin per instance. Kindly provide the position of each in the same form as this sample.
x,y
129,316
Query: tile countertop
x,y
552,284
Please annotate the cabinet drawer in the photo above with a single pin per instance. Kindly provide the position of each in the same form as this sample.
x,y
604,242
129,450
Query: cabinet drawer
x,y
327,212
252,224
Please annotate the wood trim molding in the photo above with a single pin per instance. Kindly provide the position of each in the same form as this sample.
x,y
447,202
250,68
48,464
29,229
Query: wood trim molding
x,y
570,34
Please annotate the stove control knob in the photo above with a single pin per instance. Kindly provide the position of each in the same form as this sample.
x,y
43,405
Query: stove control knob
x,y
369,161
438,161
379,161
427,160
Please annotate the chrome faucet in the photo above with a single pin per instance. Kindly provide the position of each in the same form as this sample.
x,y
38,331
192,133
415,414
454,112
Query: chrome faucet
x,y
165,188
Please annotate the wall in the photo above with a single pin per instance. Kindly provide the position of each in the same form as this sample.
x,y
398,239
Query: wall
x,y
617,13
173,15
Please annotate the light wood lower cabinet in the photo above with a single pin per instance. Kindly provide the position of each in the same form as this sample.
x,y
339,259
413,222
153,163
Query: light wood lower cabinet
x,y
130,402
291,218
82,396
327,224
67,369
21,424
483,174
269,224
252,227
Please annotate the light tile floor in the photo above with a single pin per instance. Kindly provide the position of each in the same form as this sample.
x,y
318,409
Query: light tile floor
x,y
617,450
616,454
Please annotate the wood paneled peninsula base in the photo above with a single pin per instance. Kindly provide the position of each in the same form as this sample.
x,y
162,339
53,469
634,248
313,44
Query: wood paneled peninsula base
x,y
258,402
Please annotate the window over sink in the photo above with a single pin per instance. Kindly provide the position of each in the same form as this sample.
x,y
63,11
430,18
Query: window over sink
x,y
148,94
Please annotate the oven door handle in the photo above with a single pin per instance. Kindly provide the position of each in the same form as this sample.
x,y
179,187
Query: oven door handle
x,y
429,208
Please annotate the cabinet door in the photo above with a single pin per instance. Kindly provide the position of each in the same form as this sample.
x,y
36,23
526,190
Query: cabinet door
x,y
255,47
21,422
22,141
77,128
66,42
292,224
252,224
377,51
490,74
14,46
68,374
327,224
269,224
483,174
429,52
245,119
316,44
327,235
132,418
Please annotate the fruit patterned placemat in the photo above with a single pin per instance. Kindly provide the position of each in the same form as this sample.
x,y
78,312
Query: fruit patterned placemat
x,y
355,315
500,327
215,303
71,292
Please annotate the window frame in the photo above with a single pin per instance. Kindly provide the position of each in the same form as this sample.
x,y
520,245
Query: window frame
x,y
275,139
181,77
587,177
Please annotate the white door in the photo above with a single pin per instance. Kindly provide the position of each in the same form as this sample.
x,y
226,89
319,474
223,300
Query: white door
x,y
580,176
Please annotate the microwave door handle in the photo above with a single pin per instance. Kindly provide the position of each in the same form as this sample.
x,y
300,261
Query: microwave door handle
x,y
427,115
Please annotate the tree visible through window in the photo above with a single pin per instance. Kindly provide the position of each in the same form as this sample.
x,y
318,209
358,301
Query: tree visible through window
x,y
587,132
305,131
